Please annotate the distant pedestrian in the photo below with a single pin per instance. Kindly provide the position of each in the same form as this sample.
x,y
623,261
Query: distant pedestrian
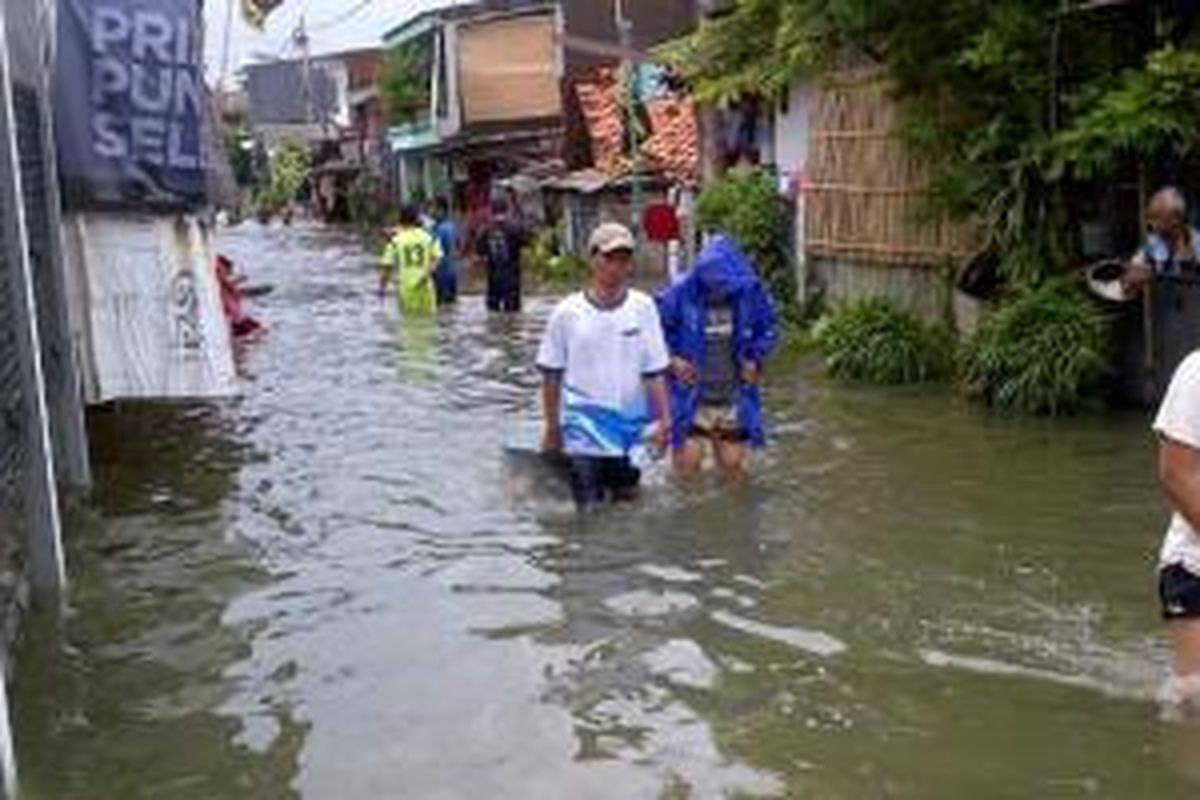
x,y
411,258
603,360
232,286
1172,246
446,232
720,326
1178,426
499,245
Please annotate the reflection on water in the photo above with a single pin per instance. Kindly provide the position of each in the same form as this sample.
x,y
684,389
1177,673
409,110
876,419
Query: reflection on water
x,y
331,589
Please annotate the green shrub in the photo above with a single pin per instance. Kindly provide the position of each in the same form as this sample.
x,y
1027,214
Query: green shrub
x,y
404,82
1042,352
541,260
290,166
567,268
367,202
747,206
873,341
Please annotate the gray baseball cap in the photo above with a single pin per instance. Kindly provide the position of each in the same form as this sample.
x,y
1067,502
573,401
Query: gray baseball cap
x,y
611,237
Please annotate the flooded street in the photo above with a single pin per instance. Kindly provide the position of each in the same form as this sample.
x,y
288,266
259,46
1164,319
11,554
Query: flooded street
x,y
328,590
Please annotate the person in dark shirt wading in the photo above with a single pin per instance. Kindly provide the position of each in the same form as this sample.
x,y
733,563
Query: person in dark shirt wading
x,y
499,246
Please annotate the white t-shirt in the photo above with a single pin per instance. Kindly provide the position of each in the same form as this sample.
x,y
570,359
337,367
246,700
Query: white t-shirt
x,y
1179,421
605,356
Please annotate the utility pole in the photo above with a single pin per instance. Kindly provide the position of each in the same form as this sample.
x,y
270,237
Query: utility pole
x,y
630,67
227,39
301,40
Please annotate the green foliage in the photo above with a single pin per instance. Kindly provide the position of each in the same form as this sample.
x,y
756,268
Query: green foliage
x,y
746,206
1149,111
873,341
235,141
367,201
541,260
1041,353
405,80
290,166
1009,135
566,268
758,49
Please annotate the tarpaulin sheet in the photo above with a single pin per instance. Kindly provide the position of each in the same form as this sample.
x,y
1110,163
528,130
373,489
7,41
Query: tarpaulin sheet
x,y
144,290
129,102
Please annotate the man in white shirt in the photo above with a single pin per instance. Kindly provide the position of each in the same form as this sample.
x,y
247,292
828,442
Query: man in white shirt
x,y
603,361
1178,426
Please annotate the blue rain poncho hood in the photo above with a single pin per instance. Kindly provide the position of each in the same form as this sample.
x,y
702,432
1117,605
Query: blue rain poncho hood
x,y
722,269
723,272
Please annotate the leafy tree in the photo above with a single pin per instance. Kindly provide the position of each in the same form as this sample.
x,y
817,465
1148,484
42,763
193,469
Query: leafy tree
x,y
290,166
1016,103
235,141
1148,112
405,81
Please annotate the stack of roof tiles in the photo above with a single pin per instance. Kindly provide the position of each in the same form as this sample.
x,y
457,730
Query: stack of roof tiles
x,y
672,149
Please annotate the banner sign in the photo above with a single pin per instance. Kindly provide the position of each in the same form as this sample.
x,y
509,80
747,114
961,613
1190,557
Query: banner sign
x,y
256,11
130,103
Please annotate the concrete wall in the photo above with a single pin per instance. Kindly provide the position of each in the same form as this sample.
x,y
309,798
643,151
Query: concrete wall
x,y
792,130
924,291
280,94
654,22
793,133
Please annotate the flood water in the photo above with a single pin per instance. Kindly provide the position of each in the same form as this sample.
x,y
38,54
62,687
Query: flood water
x,y
332,589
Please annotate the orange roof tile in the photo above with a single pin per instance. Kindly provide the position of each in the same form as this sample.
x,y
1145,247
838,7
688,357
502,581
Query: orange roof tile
x,y
672,148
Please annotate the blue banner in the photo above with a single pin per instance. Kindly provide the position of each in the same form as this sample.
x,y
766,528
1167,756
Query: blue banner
x,y
130,103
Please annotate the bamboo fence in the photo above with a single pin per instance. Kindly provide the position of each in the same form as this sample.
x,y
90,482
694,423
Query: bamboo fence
x,y
863,188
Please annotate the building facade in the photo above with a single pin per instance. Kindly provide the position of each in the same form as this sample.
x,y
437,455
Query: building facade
x,y
503,90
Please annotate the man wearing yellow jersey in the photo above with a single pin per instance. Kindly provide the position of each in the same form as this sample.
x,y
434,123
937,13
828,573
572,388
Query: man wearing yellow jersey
x,y
411,258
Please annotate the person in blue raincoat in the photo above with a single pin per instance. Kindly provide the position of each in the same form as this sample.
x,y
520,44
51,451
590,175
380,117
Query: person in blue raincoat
x,y
720,327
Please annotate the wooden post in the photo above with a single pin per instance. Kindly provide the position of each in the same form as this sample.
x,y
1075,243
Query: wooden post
x,y
1150,377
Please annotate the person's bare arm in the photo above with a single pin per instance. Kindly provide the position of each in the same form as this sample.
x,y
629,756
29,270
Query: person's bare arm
x,y
385,276
684,371
660,404
1138,273
551,410
1179,473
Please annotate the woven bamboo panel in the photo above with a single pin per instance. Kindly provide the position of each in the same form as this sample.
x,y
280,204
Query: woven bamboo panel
x,y
863,189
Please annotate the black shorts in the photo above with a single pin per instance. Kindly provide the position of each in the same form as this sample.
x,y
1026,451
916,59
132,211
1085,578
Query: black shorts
x,y
597,479
1179,591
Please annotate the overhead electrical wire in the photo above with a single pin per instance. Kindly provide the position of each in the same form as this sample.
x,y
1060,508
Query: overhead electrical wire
x,y
345,16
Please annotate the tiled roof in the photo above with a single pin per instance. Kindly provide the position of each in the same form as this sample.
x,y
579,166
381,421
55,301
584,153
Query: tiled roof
x,y
673,146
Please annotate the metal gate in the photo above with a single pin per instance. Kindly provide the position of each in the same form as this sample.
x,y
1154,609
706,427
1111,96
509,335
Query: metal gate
x,y
29,492
14,448
42,228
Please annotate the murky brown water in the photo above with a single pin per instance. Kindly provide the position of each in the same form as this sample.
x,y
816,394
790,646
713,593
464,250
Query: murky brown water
x,y
326,590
